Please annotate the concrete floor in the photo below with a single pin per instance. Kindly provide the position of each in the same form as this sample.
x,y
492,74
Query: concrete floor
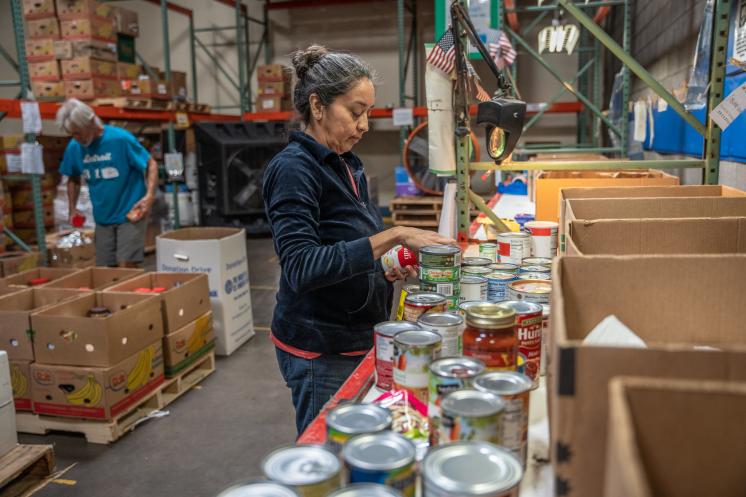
x,y
214,436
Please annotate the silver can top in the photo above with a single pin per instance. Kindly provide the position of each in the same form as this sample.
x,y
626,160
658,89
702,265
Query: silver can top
x,y
534,276
522,307
457,367
476,261
503,383
302,465
534,268
500,276
440,320
365,490
463,306
391,328
258,489
424,299
379,451
476,270
353,419
473,280
440,249
472,403
540,261
417,338
512,234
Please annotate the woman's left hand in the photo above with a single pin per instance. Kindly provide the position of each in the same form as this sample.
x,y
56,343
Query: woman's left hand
x,y
396,273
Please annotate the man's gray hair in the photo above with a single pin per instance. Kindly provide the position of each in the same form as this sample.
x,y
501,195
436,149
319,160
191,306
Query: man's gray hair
x,y
76,113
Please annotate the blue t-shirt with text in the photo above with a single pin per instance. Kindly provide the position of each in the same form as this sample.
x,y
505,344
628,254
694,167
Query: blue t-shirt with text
x,y
113,167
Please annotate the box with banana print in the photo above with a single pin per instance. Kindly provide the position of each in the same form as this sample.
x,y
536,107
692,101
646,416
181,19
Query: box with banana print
x,y
20,381
184,346
96,393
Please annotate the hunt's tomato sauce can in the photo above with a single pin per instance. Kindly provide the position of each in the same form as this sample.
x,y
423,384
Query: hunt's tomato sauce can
x,y
529,323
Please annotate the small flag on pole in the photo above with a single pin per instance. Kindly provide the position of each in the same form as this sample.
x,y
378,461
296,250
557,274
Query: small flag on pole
x,y
501,50
443,53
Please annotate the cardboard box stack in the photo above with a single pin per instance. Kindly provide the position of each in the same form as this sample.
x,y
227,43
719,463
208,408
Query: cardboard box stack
x,y
42,30
274,87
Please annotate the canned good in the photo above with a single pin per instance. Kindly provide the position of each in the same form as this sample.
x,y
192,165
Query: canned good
x,y
513,246
417,304
543,237
537,291
491,336
398,257
528,320
534,276
366,490
537,261
475,270
453,303
312,470
477,261
464,306
470,469
449,326
440,256
497,285
504,267
413,353
535,268
451,289
346,421
405,290
448,375
439,274
258,489
488,250
383,341
386,458
546,310
514,389
473,288
471,415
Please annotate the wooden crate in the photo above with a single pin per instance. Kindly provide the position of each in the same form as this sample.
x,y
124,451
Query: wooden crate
x,y
104,432
24,469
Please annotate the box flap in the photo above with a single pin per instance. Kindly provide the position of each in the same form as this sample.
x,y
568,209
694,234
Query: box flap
x,y
647,208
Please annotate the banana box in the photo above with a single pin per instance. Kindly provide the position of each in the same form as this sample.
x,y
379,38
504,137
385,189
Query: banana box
x,y
20,380
15,262
184,296
36,276
96,329
98,28
181,348
95,278
16,334
97,393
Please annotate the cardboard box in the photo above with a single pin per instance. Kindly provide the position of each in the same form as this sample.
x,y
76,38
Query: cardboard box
x,y
8,435
43,28
48,90
91,27
103,50
22,279
26,218
74,257
185,296
268,103
146,88
40,49
126,21
76,9
184,346
64,333
44,71
18,261
90,89
221,253
16,332
673,303
273,72
657,236
11,141
36,9
6,387
95,278
675,437
20,379
127,71
23,199
97,393
549,183
178,84
88,67
279,88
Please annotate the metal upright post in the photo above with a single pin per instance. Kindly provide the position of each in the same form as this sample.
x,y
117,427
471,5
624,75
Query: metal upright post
x,y
249,65
415,57
402,68
241,60
597,75
626,44
171,134
193,60
463,140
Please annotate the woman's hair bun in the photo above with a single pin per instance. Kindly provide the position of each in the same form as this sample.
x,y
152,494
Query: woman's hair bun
x,y
303,60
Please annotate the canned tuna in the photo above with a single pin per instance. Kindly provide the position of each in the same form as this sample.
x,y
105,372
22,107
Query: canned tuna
x,y
473,288
386,458
440,256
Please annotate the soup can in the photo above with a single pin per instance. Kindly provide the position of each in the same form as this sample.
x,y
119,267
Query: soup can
x,y
504,267
441,256
463,306
450,289
497,285
535,268
383,341
405,290
398,257
262,488
365,490
470,469
450,326
448,375
477,261
471,415
386,458
546,310
346,421
537,261
514,389
413,353
312,470
529,321
473,288
475,270
543,238
534,276
488,250
417,304
513,246
433,274
537,291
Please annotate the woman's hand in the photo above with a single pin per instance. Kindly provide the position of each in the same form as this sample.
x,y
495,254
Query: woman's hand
x,y
396,273
415,239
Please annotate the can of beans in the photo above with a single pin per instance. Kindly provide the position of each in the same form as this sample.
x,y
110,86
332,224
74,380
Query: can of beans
x,y
349,420
513,246
477,261
534,276
413,353
386,458
529,319
383,341
473,288
504,267
312,470
405,290
417,304
546,310
449,326
514,389
488,250
537,291
497,285
440,256
448,375
471,415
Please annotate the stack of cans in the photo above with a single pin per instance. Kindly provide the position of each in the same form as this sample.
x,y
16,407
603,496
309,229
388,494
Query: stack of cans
x,y
440,272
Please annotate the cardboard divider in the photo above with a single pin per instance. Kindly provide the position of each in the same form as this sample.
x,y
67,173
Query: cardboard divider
x,y
95,278
23,278
66,335
675,437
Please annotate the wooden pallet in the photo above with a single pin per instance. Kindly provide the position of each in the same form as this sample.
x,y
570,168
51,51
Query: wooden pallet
x,y
105,432
418,212
134,103
25,468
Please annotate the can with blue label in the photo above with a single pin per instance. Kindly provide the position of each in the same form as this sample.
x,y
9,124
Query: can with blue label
x,y
497,285
386,458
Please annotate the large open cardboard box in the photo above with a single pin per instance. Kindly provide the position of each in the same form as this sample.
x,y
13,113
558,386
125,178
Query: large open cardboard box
x,y
674,303
24,278
16,262
682,438
95,278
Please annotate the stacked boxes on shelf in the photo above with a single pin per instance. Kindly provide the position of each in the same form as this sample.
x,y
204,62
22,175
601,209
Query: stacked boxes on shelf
x,y
274,88
42,30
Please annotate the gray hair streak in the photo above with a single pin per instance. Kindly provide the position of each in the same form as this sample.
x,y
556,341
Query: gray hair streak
x,y
76,113
327,74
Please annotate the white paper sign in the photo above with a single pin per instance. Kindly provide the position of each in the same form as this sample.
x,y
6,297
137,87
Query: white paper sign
x,y
730,108
641,121
174,163
662,105
31,117
403,116
14,163
739,35
32,161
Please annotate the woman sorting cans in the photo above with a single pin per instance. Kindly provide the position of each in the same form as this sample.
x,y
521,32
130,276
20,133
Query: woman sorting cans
x,y
327,234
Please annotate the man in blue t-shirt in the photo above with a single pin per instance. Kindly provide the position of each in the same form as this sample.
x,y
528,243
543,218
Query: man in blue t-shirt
x,y
121,177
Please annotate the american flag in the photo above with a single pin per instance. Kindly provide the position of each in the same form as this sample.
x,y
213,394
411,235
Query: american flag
x,y
443,53
501,50
482,94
